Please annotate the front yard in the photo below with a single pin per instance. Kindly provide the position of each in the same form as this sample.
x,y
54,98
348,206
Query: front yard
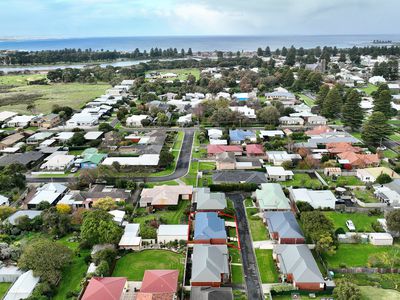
x,y
134,264
266,266
362,222
257,228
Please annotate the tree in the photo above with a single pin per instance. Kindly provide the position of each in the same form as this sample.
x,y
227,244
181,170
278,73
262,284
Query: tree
x,y
64,209
291,57
345,290
78,139
323,92
269,115
6,211
162,118
106,204
166,159
56,223
383,102
105,127
332,104
98,227
393,220
325,244
46,258
375,129
383,178
352,113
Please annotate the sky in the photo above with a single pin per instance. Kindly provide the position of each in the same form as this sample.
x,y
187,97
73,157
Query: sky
x,y
100,18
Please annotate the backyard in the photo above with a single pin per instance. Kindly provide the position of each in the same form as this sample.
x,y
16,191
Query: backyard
x,y
365,195
343,181
4,286
386,282
134,264
362,222
266,266
167,216
307,100
369,89
303,180
182,73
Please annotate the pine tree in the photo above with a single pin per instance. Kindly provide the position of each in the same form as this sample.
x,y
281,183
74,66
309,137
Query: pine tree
x,y
267,52
382,103
332,104
323,92
352,113
375,129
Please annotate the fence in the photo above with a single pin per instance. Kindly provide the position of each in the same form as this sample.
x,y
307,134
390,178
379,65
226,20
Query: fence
x,y
367,270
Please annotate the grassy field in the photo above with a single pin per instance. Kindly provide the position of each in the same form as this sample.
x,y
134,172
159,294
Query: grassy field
x,y
133,265
369,89
169,216
182,73
372,293
266,266
365,196
17,94
303,180
361,221
354,255
307,100
4,286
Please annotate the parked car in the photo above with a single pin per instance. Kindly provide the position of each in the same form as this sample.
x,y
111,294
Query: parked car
x,y
350,225
74,170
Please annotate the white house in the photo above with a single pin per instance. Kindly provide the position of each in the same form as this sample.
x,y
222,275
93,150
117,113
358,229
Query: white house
x,y
371,174
60,162
136,120
6,115
244,110
380,238
214,134
186,119
93,135
118,216
82,120
278,174
317,199
9,273
279,157
142,160
131,239
170,233
290,121
20,121
376,80
271,133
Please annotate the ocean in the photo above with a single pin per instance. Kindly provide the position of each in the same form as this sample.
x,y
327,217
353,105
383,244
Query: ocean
x,y
197,43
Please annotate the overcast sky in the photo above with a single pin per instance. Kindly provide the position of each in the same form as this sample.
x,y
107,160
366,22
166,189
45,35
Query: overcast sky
x,y
87,18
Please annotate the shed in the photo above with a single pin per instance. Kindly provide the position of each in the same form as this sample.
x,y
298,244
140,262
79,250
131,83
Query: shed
x,y
170,233
380,239
9,273
23,287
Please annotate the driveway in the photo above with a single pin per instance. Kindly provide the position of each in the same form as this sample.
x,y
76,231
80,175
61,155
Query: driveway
x,y
249,262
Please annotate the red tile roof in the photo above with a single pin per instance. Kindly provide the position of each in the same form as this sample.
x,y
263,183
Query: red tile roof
x,y
360,160
160,281
336,148
106,288
215,149
255,149
318,130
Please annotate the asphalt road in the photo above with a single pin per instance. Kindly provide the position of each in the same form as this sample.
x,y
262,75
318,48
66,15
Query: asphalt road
x,y
249,262
182,166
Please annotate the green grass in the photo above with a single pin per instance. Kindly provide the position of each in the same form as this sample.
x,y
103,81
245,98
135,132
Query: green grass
x,y
304,295
4,286
361,221
372,293
182,73
384,281
257,228
343,181
394,122
153,184
369,89
19,80
45,97
170,216
357,135
389,153
365,196
235,255
395,137
237,274
266,266
307,100
133,265
303,180
206,166
354,255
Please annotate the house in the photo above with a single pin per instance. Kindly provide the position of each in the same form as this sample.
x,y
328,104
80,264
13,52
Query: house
x,y
9,273
170,233
11,140
207,201
272,197
321,129
141,160
387,195
50,193
283,227
226,161
214,134
279,157
210,265
13,219
4,201
105,288
38,137
255,150
165,195
291,121
60,162
280,95
297,266
215,149
118,216
357,160
211,293
332,171
394,87
316,120
93,135
380,239
131,240
49,121
136,120
64,136
238,136
83,119
278,174
317,199
268,134
209,229
6,115
243,96
239,177
371,174
184,120
22,287
91,158
375,80
27,159
245,111
159,284
20,121
336,148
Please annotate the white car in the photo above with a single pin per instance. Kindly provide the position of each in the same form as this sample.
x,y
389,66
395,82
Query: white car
x,y
350,225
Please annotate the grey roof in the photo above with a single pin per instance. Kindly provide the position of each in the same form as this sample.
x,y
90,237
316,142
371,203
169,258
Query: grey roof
x,y
209,201
210,293
284,223
226,157
21,158
239,177
29,213
394,185
209,262
209,226
298,261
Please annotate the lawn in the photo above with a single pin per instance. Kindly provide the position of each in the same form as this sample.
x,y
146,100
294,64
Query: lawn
x,y
257,228
372,293
366,196
354,255
206,166
361,221
395,137
303,180
44,97
153,184
4,286
168,216
369,89
133,265
343,181
307,100
182,73
266,266
237,274
376,280
389,153
235,255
